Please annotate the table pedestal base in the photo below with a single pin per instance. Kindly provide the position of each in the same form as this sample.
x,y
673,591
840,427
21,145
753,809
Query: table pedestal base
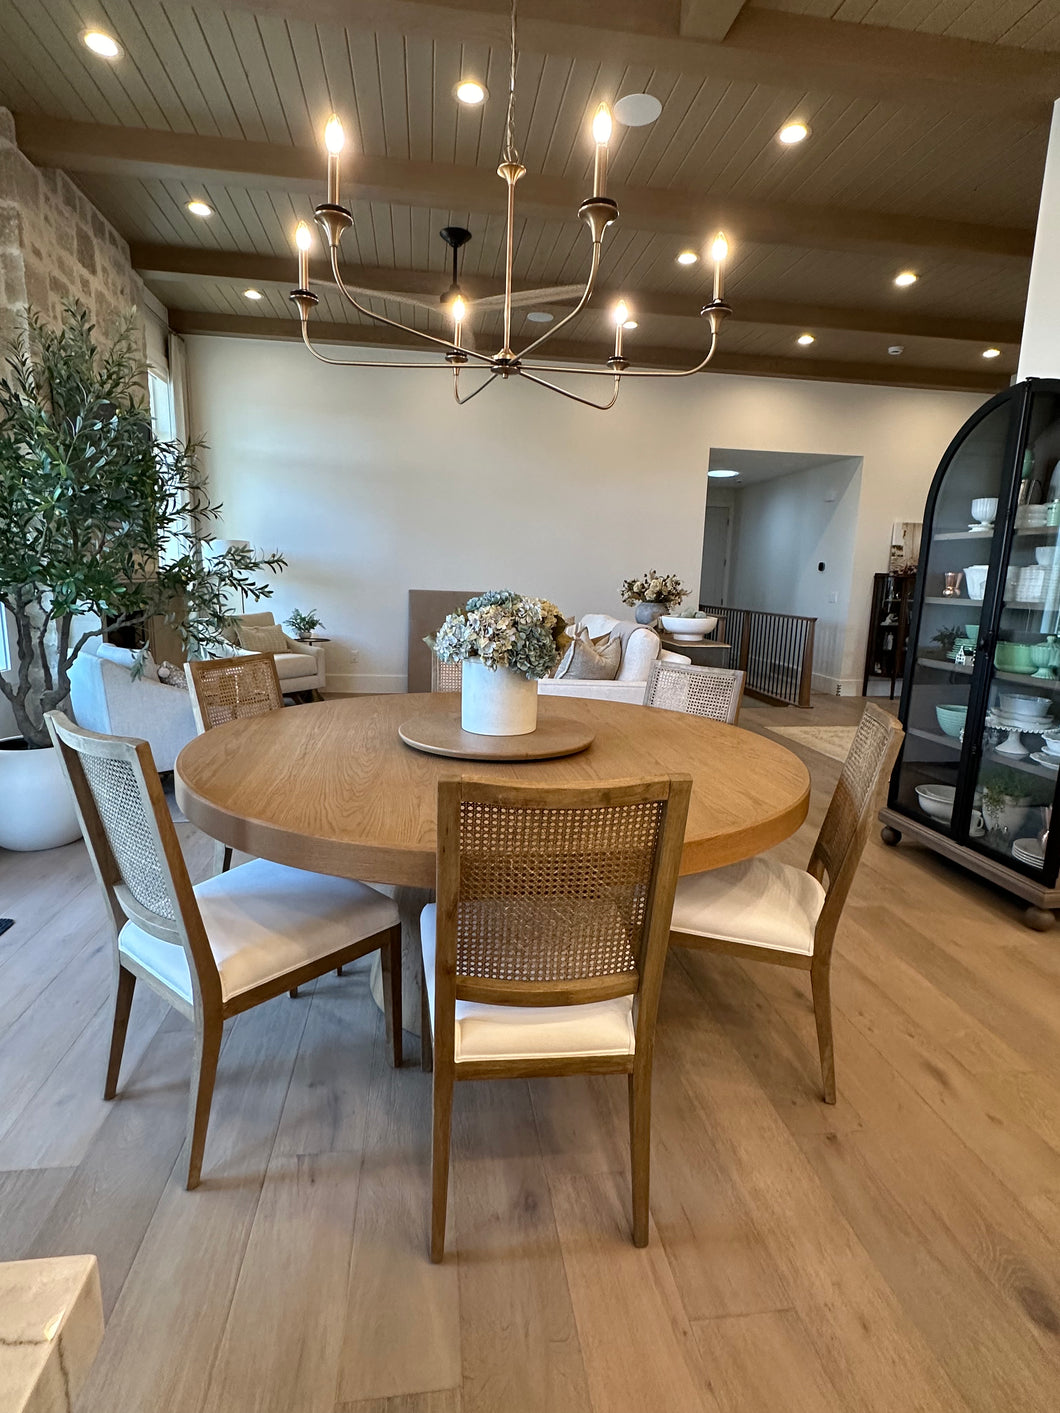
x,y
411,902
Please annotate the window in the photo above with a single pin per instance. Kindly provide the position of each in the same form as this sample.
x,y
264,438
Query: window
x,y
160,393
5,652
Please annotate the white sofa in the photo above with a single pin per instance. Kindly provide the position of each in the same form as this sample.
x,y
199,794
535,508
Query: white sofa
x,y
300,669
640,648
105,697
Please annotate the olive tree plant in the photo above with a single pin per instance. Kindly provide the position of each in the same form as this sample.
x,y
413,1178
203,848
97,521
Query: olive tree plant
x,y
99,521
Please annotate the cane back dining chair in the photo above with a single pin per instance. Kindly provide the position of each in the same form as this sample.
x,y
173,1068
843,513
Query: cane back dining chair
x,y
768,911
446,676
227,689
219,948
545,950
698,691
230,688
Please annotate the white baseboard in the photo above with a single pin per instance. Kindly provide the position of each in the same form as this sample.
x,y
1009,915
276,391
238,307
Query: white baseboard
x,y
836,686
365,682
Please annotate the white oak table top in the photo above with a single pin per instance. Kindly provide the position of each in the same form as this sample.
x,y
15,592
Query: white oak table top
x,y
331,786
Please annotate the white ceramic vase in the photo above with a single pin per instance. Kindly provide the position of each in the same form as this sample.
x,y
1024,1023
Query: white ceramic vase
x,y
36,807
496,701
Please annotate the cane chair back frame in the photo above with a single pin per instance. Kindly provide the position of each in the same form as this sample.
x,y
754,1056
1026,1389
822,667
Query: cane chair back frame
x,y
227,689
446,676
855,802
134,849
714,692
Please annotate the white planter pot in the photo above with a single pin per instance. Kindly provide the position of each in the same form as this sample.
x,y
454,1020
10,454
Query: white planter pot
x,y
36,807
496,701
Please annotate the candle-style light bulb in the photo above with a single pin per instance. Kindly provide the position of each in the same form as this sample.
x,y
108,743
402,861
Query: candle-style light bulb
x,y
621,314
602,126
334,141
303,238
459,309
719,252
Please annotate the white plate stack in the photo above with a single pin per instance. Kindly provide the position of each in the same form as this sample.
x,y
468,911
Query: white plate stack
x,y
1029,851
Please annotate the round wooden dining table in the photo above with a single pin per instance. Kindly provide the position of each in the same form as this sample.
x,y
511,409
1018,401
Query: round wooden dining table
x,y
332,788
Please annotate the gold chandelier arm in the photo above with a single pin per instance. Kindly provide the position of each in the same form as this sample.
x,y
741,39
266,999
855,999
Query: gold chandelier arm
x,y
637,372
356,362
585,402
394,323
590,285
461,401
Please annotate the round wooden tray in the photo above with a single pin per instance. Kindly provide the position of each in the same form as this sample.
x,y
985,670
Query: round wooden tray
x,y
440,734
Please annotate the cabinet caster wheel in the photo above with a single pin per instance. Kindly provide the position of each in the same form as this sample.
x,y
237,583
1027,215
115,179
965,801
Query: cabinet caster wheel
x,y
1040,919
891,836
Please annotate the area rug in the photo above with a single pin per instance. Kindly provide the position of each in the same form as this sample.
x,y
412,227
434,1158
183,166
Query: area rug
x,y
831,741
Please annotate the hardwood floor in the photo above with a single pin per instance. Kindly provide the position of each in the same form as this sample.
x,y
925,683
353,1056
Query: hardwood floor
x,y
898,1253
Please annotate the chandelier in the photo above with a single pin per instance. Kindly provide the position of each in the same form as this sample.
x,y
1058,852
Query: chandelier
x,y
598,212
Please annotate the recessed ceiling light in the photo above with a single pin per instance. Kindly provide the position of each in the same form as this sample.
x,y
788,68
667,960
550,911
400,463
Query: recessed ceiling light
x,y
539,316
896,350
637,110
805,340
791,133
101,44
687,257
907,277
723,475
630,324
471,91
200,208
252,294
991,353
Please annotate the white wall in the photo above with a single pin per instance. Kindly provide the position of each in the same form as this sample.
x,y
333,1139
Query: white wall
x,y
786,527
1040,349
373,482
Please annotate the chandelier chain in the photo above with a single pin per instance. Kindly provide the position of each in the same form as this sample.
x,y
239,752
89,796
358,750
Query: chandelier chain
x,y
510,154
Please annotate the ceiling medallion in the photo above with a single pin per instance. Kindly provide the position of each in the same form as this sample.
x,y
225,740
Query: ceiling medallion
x,y
598,212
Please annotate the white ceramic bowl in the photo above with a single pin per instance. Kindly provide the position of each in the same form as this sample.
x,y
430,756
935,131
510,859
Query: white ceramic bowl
x,y
1025,708
687,630
936,800
1052,745
1044,554
984,509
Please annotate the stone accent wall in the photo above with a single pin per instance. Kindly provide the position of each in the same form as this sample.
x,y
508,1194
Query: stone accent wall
x,y
55,245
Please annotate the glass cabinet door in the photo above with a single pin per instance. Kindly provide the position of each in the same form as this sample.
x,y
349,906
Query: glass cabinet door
x,y
1019,753
965,523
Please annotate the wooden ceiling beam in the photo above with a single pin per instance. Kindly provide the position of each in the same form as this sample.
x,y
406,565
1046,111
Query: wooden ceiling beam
x,y
932,72
163,262
184,321
686,215
709,19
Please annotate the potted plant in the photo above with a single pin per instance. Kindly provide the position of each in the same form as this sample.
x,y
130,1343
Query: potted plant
x,y
303,625
652,595
1007,795
100,523
505,642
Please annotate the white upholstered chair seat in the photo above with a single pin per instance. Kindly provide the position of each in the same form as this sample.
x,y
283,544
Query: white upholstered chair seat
x,y
485,1032
761,902
263,920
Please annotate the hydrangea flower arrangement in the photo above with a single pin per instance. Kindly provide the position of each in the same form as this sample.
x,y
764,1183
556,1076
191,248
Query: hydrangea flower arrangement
x,y
504,629
654,587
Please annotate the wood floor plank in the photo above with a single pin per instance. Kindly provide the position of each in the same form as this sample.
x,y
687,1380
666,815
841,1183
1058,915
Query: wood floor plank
x,y
765,1362
26,1198
441,1401
582,1123
520,1346
625,1304
165,1330
874,1354
403,1317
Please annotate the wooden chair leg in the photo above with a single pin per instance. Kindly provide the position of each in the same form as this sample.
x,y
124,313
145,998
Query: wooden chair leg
x,y
203,1074
821,985
122,1007
390,958
443,1118
338,971
293,993
640,1149
426,1047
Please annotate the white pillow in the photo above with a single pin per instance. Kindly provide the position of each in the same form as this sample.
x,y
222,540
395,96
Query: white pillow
x,y
640,650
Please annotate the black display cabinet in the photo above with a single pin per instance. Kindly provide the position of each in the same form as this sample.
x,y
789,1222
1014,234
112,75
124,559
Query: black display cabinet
x,y
892,601
977,776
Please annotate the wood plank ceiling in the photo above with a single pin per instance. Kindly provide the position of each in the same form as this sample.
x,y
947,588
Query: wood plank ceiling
x,y
929,121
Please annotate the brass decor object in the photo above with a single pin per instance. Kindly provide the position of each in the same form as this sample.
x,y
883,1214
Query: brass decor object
x,y
598,212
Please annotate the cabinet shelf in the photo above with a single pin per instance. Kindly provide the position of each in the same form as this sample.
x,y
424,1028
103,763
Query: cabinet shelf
x,y
1025,532
1022,679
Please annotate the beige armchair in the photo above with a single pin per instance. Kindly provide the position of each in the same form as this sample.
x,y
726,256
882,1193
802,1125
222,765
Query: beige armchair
x,y
300,669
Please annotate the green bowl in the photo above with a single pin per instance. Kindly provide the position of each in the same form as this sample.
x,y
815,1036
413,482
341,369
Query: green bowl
x,y
1013,657
971,630
951,719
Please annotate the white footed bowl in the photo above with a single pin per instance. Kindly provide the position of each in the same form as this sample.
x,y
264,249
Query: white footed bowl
x,y
984,509
687,630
